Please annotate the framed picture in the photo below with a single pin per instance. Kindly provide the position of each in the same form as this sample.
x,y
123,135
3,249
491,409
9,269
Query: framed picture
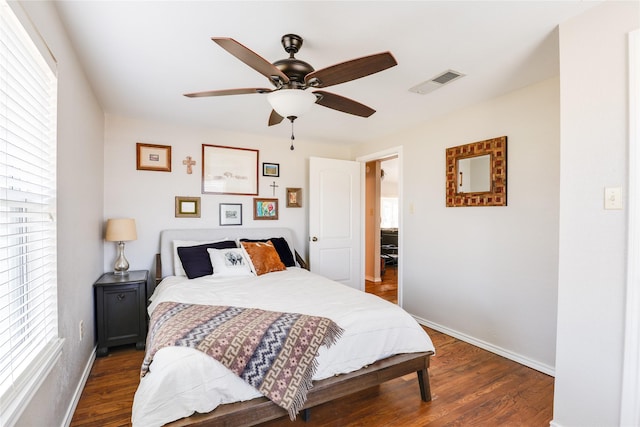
x,y
271,169
294,197
265,208
151,157
187,207
229,170
230,213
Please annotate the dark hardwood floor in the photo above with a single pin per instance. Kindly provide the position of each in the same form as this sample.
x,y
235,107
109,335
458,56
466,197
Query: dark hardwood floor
x,y
470,387
387,288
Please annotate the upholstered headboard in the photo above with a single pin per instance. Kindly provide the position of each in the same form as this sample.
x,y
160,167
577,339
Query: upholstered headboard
x,y
211,234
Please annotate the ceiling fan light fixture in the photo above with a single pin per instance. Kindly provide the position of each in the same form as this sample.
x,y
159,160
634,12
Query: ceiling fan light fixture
x,y
291,102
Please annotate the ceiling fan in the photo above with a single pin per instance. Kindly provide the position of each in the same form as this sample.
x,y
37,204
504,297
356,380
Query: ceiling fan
x,y
291,77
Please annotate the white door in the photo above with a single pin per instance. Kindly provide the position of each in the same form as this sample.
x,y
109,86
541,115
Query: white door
x,y
335,227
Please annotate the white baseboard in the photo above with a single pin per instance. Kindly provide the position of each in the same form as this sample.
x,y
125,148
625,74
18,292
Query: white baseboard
x,y
76,395
533,364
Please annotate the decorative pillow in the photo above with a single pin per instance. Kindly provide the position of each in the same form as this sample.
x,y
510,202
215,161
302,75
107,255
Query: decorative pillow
x,y
282,247
195,259
229,262
178,270
264,257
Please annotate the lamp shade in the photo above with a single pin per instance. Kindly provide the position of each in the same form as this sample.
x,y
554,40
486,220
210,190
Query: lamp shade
x,y
291,102
121,230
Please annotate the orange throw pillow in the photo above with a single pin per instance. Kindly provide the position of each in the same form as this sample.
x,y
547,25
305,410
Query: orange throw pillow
x,y
264,257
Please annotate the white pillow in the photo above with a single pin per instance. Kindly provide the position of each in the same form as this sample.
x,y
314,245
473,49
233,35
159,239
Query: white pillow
x,y
229,262
178,270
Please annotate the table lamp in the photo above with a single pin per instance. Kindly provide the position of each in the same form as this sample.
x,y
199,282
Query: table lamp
x,y
121,230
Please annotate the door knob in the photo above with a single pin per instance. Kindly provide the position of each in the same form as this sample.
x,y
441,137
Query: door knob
x,y
314,239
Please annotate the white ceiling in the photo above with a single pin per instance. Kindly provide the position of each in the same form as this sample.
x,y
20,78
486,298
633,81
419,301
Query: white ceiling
x,y
142,56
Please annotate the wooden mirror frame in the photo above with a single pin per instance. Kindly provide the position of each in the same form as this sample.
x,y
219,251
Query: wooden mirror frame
x,y
497,195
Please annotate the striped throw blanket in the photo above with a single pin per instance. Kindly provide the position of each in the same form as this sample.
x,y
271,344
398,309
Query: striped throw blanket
x,y
272,351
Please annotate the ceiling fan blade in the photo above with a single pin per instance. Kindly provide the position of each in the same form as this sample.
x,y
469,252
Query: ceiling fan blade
x,y
350,70
340,103
275,118
225,92
251,58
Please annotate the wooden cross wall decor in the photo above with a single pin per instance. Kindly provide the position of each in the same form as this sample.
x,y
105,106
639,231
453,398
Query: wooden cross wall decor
x,y
189,162
274,186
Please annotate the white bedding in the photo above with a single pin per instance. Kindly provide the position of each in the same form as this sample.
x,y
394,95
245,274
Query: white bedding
x,y
182,381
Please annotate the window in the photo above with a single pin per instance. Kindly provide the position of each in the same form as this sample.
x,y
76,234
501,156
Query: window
x,y
29,343
389,212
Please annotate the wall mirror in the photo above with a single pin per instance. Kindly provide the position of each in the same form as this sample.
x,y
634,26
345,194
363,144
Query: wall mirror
x,y
477,173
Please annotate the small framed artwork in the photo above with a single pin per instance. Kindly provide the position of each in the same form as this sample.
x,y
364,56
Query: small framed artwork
x,y
294,197
229,170
152,157
271,169
230,213
265,208
187,207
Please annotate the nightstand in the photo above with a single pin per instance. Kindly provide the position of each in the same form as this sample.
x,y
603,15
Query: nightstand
x,y
121,310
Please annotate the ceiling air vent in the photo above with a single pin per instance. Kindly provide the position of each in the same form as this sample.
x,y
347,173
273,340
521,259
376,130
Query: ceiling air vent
x,y
436,82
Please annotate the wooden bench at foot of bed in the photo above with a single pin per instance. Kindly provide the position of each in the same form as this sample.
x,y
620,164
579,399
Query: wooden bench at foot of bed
x,y
261,409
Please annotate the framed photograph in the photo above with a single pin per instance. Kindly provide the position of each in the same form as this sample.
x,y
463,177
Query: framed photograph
x,y
271,169
151,157
265,208
229,170
187,207
294,197
230,213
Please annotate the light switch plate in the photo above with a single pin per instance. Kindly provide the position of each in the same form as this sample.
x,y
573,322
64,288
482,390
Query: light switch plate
x,y
613,198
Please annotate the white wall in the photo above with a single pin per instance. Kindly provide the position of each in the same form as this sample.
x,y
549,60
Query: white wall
x,y
80,245
486,274
149,196
591,300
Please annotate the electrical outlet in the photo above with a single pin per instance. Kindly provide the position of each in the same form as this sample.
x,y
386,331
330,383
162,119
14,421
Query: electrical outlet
x,y
81,329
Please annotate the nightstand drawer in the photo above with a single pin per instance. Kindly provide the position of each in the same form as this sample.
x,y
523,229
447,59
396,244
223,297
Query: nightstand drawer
x,y
120,314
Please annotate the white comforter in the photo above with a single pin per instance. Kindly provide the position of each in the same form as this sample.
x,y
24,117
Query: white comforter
x,y
182,381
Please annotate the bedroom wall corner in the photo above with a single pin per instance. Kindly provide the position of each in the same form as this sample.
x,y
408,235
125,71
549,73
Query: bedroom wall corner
x,y
79,207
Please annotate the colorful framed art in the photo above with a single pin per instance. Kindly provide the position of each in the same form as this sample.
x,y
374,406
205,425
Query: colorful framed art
x,y
265,208
294,197
271,169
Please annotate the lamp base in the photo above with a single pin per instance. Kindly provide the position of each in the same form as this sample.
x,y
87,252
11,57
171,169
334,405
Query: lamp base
x,y
121,266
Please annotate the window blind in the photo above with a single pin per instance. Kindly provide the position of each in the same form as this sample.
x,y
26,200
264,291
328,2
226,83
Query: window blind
x,y
28,296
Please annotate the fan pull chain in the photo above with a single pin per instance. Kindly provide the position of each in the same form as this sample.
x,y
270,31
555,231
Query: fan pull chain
x,y
292,136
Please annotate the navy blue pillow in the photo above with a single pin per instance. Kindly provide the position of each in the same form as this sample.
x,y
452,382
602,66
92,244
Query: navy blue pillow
x,y
195,259
282,247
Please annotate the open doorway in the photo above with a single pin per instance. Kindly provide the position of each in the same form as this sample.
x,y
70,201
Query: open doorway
x,y
382,213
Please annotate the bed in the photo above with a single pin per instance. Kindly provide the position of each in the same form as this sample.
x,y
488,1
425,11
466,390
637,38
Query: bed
x,y
379,341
